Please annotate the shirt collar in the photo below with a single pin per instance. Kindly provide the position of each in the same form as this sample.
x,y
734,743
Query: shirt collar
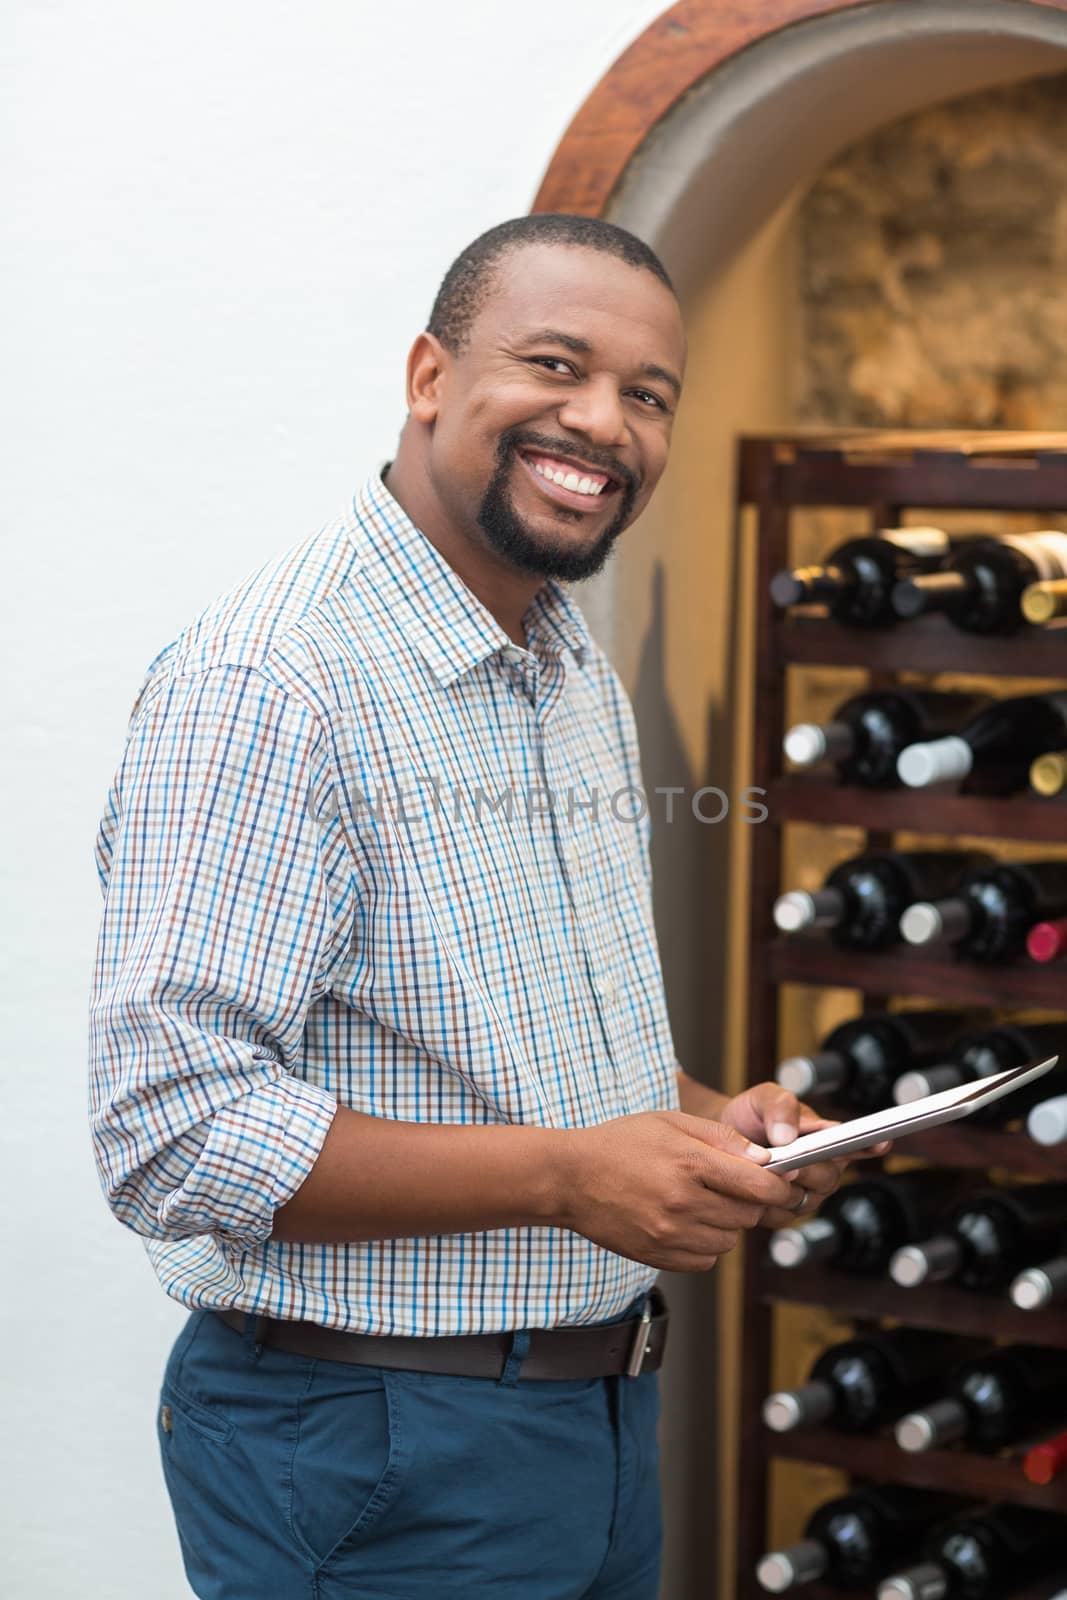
x,y
447,622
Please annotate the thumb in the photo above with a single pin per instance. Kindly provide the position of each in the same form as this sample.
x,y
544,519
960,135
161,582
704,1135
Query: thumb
x,y
781,1116
722,1137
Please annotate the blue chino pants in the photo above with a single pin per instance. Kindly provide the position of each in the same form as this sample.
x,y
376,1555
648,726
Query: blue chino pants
x,y
300,1479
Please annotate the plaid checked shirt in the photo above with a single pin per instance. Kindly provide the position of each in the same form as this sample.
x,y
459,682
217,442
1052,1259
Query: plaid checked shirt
x,y
363,850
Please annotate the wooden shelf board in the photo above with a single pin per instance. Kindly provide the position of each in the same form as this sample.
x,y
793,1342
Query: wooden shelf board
x,y
848,1296
904,970
879,1457
749,1589
942,472
927,644
822,801
959,1144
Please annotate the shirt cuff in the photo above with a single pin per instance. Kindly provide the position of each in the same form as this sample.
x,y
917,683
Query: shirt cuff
x,y
259,1150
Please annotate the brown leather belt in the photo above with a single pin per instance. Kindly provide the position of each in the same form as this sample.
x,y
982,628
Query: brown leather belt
x,y
601,1350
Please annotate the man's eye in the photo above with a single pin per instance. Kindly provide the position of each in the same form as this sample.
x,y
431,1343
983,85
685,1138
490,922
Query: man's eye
x,y
552,361
648,395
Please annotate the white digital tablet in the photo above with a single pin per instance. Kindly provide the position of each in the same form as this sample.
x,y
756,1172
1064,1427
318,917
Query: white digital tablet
x,y
898,1121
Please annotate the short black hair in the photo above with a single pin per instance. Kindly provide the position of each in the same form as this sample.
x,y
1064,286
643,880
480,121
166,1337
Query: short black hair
x,y
466,285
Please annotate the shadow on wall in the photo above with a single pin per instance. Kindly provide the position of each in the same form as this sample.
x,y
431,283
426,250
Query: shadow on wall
x,y
688,852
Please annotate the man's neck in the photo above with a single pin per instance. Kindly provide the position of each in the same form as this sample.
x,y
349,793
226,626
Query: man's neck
x,y
505,593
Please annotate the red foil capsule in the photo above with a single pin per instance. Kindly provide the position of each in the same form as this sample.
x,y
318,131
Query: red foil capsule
x,y
1047,941
1046,1460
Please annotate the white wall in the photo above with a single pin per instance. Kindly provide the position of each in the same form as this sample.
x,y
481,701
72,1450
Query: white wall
x,y
224,224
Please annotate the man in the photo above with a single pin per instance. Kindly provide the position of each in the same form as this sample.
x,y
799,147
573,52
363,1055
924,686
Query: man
x,y
381,1065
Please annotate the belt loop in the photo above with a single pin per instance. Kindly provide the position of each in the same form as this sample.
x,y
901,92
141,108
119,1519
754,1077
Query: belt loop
x,y
255,1324
520,1346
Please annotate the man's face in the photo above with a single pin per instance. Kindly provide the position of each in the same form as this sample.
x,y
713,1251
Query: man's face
x,y
567,374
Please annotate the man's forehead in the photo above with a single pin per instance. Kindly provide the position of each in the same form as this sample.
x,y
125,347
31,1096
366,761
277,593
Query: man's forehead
x,y
586,297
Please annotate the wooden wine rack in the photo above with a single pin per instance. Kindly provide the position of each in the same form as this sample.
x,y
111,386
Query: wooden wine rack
x,y
888,474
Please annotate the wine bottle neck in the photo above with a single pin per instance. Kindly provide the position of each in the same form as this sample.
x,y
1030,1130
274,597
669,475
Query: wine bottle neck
x,y
928,591
934,1261
808,585
931,922
1047,1122
1041,1286
802,1563
798,910
808,743
935,761
803,1407
924,1582
939,1424
820,1073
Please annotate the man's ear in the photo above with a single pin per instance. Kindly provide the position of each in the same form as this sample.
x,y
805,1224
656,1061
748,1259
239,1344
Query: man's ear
x,y
427,365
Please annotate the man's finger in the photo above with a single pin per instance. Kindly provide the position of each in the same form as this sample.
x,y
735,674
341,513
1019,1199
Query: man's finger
x,y
781,1116
821,1178
723,1174
720,1136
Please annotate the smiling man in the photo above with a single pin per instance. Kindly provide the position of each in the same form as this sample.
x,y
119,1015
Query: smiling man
x,y
381,1069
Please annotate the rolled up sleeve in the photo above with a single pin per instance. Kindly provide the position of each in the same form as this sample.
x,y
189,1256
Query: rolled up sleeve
x,y
227,900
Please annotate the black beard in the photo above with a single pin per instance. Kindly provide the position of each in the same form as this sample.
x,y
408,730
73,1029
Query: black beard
x,y
512,539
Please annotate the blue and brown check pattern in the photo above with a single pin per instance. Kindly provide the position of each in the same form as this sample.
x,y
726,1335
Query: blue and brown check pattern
x,y
363,850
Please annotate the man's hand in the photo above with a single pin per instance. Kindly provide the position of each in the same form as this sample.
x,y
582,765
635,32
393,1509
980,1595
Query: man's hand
x,y
769,1114
671,1190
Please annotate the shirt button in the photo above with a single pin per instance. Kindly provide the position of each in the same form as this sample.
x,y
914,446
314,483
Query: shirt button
x,y
607,990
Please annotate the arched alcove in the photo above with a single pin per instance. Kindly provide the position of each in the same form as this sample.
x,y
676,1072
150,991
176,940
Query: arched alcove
x,y
703,139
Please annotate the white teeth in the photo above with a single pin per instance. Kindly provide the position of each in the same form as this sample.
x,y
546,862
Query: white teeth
x,y
569,480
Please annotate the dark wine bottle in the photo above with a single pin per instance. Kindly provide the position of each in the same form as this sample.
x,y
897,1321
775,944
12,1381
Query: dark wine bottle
x,y
1047,1122
864,898
856,580
867,733
992,1553
993,752
861,1226
992,911
852,1541
1042,1285
992,1401
860,1062
860,1383
985,1052
987,1239
980,589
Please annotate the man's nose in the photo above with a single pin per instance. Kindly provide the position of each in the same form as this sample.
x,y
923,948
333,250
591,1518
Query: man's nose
x,y
595,410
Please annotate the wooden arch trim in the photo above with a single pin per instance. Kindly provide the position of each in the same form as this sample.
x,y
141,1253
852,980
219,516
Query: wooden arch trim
x,y
680,48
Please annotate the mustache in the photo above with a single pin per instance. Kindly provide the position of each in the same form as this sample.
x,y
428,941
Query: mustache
x,y
599,459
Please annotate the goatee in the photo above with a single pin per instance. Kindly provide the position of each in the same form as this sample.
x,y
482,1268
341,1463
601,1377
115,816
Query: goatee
x,y
518,544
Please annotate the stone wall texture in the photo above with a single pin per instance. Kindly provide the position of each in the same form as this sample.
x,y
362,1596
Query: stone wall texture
x,y
934,278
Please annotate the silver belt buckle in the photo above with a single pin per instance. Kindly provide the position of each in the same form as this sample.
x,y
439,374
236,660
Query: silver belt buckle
x,y
640,1347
